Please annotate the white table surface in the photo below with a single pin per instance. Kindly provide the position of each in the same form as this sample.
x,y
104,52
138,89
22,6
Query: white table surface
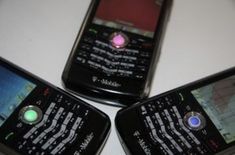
x,y
199,41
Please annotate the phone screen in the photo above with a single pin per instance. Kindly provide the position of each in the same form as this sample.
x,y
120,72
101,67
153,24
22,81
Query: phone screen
x,y
14,89
218,101
135,16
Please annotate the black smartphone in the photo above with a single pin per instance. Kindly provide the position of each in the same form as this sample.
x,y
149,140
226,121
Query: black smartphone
x,y
40,119
114,56
195,119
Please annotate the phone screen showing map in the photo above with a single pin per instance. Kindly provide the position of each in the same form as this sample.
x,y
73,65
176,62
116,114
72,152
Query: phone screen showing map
x,y
218,101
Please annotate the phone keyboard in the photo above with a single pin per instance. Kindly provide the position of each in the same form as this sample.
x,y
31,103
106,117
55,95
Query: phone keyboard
x,y
164,123
59,128
95,52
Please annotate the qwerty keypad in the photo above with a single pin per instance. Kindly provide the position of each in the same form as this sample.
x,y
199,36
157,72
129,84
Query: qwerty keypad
x,y
164,123
58,129
95,52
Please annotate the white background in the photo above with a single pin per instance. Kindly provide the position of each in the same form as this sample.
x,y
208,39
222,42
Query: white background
x,y
199,41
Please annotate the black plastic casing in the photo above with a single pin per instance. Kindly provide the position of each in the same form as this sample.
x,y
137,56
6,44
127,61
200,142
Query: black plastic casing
x,y
128,120
98,122
78,79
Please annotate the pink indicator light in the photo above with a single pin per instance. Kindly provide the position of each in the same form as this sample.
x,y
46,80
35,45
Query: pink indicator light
x,y
118,40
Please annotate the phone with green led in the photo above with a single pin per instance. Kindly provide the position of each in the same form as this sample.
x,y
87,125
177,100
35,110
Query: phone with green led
x,y
40,119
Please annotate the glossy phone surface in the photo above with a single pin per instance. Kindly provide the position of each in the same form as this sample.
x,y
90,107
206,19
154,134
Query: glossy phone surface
x,y
196,119
114,56
39,119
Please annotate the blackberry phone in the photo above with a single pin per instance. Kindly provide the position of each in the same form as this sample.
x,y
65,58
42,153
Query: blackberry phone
x,y
195,119
114,56
40,119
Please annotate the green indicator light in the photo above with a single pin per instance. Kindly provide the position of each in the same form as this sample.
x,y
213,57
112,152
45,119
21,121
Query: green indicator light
x,y
30,115
93,30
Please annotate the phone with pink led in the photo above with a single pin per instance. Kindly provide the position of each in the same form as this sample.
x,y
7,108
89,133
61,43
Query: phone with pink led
x,y
115,53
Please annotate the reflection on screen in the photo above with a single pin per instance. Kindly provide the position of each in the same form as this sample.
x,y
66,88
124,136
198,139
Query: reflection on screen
x,y
13,90
136,16
218,101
